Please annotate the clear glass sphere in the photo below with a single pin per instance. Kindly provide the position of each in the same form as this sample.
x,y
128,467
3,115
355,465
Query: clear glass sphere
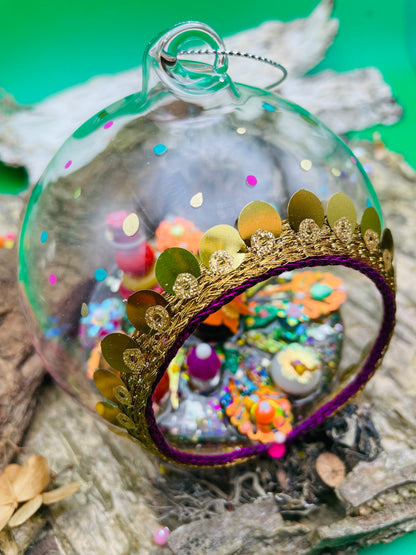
x,y
156,170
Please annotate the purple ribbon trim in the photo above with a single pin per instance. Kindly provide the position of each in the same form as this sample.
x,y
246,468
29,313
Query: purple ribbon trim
x,y
323,412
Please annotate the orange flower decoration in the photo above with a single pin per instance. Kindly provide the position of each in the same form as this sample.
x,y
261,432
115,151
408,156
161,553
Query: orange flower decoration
x,y
318,293
260,416
229,314
179,233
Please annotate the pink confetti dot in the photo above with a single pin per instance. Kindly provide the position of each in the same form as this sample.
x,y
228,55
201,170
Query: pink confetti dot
x,y
251,180
108,124
67,165
52,279
161,535
277,450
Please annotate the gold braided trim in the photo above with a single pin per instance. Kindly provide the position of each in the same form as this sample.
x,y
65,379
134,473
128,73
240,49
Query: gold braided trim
x,y
290,247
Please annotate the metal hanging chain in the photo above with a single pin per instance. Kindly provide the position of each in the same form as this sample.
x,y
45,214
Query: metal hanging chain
x,y
240,54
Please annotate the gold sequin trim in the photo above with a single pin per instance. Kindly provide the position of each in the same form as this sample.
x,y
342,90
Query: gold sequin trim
x,y
185,286
262,242
157,318
309,230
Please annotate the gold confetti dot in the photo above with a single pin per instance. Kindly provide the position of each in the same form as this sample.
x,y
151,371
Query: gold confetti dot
x,y
84,310
336,172
306,165
197,200
241,130
131,224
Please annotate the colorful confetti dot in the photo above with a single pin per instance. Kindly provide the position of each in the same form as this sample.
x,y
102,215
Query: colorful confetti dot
x,y
306,165
241,130
197,200
43,236
52,279
100,274
131,224
159,149
268,107
335,172
353,159
77,193
368,203
84,310
251,180
108,124
68,164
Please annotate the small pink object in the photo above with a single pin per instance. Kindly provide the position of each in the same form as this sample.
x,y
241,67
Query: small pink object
x,y
67,165
277,450
108,124
52,279
161,535
251,180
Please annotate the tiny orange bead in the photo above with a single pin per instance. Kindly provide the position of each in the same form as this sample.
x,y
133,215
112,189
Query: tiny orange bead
x,y
264,412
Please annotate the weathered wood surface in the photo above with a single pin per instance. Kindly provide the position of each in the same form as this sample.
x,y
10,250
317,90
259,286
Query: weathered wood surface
x,y
117,508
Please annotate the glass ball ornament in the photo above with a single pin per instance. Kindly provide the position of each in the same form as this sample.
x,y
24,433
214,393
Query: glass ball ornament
x,y
206,264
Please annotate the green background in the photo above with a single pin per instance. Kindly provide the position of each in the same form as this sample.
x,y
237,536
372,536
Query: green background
x,y
46,46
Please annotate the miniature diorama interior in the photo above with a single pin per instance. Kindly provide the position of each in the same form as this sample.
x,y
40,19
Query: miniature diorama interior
x,y
194,259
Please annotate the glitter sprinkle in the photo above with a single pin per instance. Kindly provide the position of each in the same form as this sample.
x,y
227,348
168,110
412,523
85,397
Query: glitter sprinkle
x,y
108,124
268,107
185,286
131,224
52,279
197,200
306,165
43,236
335,172
251,180
220,262
100,274
68,164
157,317
77,193
241,130
84,310
159,149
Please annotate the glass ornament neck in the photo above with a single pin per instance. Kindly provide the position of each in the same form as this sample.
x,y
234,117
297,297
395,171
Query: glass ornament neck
x,y
186,78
